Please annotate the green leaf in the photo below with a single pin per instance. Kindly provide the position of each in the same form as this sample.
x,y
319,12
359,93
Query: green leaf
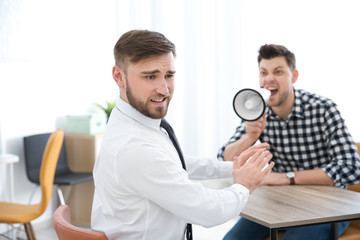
x,y
108,108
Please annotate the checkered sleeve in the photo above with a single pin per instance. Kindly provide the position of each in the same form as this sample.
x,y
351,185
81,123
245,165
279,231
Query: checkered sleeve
x,y
240,130
344,167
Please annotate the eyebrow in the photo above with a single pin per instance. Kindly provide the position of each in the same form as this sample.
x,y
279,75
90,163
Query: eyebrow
x,y
156,71
262,68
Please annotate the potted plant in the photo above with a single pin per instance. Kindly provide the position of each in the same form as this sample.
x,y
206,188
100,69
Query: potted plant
x,y
108,108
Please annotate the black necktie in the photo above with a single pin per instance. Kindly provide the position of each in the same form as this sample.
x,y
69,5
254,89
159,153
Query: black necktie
x,y
164,124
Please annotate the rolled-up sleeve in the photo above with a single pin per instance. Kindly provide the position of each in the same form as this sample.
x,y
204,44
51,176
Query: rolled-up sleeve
x,y
344,168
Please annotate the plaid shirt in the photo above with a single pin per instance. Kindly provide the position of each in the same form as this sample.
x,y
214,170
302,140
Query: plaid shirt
x,y
313,136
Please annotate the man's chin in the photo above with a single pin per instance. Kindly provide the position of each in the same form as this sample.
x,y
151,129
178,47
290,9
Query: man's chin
x,y
157,113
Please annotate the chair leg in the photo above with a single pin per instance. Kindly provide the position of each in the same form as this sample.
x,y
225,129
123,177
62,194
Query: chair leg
x,y
61,197
29,231
67,193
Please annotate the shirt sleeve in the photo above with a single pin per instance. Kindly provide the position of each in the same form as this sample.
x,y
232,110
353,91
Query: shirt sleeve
x,y
207,168
240,131
344,167
155,175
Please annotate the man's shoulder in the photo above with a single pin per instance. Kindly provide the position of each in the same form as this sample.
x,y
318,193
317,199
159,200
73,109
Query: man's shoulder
x,y
313,99
125,141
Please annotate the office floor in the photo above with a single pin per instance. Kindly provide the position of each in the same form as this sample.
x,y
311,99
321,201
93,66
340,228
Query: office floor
x,y
200,233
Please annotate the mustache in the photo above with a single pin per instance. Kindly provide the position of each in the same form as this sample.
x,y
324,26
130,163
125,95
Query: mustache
x,y
159,95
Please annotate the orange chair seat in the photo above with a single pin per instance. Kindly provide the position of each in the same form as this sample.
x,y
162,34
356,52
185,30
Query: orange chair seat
x,y
67,231
18,213
280,234
353,231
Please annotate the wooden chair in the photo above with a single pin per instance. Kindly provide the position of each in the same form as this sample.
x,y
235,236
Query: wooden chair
x,y
66,231
12,213
33,148
280,234
353,231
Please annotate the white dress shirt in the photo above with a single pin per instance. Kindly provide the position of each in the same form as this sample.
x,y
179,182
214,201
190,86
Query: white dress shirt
x,y
141,189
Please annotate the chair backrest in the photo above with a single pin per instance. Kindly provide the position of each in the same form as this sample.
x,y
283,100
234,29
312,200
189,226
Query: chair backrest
x,y
34,147
48,166
66,231
355,187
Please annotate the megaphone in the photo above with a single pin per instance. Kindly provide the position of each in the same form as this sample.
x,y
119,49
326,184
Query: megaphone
x,y
249,104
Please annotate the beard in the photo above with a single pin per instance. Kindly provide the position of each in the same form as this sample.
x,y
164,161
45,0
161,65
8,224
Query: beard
x,y
282,99
144,108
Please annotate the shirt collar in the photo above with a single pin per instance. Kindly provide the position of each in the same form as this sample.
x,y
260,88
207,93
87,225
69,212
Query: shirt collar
x,y
297,110
131,112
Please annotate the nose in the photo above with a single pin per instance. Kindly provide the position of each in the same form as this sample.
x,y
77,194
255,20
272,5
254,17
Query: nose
x,y
163,87
269,78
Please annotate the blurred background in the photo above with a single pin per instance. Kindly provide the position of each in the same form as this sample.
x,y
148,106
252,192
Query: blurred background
x,y
56,59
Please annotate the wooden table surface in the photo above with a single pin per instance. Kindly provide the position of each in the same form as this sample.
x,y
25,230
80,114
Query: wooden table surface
x,y
287,206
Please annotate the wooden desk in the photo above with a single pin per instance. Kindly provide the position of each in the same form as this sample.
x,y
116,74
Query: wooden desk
x,y
278,207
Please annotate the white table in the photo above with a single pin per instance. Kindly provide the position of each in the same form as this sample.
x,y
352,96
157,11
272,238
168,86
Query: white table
x,y
10,159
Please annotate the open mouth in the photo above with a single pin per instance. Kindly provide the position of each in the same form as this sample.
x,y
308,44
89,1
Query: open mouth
x,y
159,100
272,90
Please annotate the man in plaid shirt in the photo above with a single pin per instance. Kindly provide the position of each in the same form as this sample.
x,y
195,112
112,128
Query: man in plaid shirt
x,y
308,138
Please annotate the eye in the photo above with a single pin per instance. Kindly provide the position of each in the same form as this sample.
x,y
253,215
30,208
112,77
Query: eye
x,y
150,77
262,73
169,76
278,72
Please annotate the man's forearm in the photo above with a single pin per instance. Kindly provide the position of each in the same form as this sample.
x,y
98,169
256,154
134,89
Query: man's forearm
x,y
235,148
314,176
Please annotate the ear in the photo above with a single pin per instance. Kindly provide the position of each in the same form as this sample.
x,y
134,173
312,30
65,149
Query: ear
x,y
295,76
119,76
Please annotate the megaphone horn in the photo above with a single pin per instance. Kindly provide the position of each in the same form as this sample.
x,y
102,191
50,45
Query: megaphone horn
x,y
249,104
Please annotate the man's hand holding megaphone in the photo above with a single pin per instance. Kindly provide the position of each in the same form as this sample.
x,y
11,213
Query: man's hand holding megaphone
x,y
255,128
249,104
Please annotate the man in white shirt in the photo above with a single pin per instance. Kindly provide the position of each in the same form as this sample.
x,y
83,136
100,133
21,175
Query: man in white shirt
x,y
142,190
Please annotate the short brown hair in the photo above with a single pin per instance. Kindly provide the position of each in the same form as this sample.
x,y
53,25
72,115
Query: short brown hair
x,y
136,45
269,51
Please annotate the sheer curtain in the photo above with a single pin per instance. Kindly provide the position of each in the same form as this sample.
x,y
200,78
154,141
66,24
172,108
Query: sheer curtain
x,y
56,59
66,46
207,34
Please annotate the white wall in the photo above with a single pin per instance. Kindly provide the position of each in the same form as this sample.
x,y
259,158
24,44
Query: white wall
x,y
325,37
59,57
55,60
